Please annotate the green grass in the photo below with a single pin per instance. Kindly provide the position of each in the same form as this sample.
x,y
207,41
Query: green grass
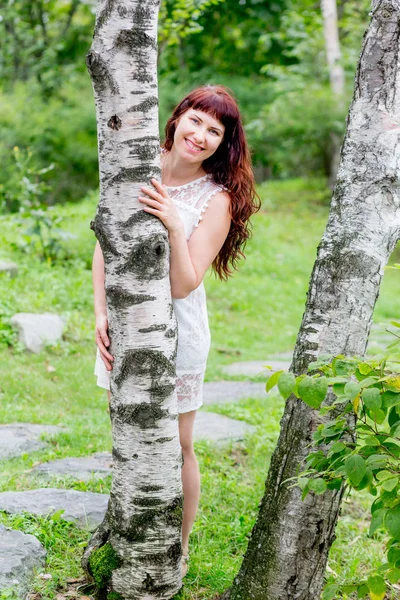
x,y
252,317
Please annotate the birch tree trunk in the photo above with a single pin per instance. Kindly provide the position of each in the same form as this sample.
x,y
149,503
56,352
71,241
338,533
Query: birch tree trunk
x,y
336,73
135,553
289,545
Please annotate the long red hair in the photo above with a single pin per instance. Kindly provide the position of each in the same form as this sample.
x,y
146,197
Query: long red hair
x,y
230,166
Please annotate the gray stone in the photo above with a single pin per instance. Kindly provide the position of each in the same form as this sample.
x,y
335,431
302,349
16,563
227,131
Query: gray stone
x,y
98,465
36,330
20,553
223,392
20,438
86,509
219,428
256,367
9,267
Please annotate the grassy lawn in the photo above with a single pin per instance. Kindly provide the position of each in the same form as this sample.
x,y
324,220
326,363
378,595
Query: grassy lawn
x,y
253,316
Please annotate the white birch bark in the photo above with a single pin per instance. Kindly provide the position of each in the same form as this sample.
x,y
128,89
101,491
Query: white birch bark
x,y
135,553
289,545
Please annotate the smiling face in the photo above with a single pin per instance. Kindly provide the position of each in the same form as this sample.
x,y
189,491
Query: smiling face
x,y
197,135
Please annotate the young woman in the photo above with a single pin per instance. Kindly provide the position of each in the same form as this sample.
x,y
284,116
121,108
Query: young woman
x,y
205,200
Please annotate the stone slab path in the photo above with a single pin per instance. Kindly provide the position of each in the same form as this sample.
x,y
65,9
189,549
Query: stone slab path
x,y
224,392
207,426
20,438
20,553
86,509
83,467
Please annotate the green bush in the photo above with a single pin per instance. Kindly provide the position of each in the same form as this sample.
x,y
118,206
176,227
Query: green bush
x,y
61,130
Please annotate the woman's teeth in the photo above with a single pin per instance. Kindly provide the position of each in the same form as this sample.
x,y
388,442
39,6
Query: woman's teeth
x,y
192,146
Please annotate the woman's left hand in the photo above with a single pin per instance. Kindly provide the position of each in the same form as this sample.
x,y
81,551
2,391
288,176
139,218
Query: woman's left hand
x,y
160,205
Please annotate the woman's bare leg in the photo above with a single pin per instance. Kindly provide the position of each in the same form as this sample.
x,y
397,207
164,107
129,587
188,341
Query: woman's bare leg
x,y
190,476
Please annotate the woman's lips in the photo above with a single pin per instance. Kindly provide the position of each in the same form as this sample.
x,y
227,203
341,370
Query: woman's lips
x,y
193,146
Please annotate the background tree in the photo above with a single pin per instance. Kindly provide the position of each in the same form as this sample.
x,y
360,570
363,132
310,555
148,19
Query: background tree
x,y
336,72
289,545
135,553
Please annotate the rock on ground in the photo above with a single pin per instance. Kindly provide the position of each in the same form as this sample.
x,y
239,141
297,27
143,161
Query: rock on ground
x,y
36,330
85,467
86,509
219,428
223,392
20,438
9,267
20,553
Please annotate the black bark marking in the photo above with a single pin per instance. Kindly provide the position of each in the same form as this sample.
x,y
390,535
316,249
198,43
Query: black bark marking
x,y
100,74
158,393
163,440
144,362
171,333
142,173
134,39
119,298
104,16
153,328
145,153
151,488
116,454
140,501
144,415
148,259
136,529
114,122
170,556
103,235
145,105
145,138
137,218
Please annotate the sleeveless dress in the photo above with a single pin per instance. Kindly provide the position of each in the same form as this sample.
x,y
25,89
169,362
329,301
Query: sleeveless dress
x,y
191,200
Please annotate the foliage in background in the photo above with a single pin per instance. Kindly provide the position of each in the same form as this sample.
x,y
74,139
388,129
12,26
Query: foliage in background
x,y
270,54
38,224
358,447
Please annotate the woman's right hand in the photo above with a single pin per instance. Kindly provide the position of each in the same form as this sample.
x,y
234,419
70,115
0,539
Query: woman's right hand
x,y
103,341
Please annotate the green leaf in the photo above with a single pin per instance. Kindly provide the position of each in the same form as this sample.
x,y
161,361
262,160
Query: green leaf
x,y
313,390
286,384
390,399
382,475
371,440
390,484
337,447
352,389
393,555
330,592
377,520
377,586
273,380
372,398
393,576
362,591
364,368
318,485
392,521
355,468
377,415
365,481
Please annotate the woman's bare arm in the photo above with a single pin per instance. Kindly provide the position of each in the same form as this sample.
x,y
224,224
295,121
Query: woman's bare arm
x,y
100,306
190,260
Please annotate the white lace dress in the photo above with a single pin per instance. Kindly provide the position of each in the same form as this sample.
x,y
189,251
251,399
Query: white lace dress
x,y
192,200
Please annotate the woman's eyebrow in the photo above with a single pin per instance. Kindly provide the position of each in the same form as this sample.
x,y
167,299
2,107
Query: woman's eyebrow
x,y
212,126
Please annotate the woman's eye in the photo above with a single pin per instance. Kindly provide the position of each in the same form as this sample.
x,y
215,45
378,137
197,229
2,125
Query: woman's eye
x,y
214,131
194,120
